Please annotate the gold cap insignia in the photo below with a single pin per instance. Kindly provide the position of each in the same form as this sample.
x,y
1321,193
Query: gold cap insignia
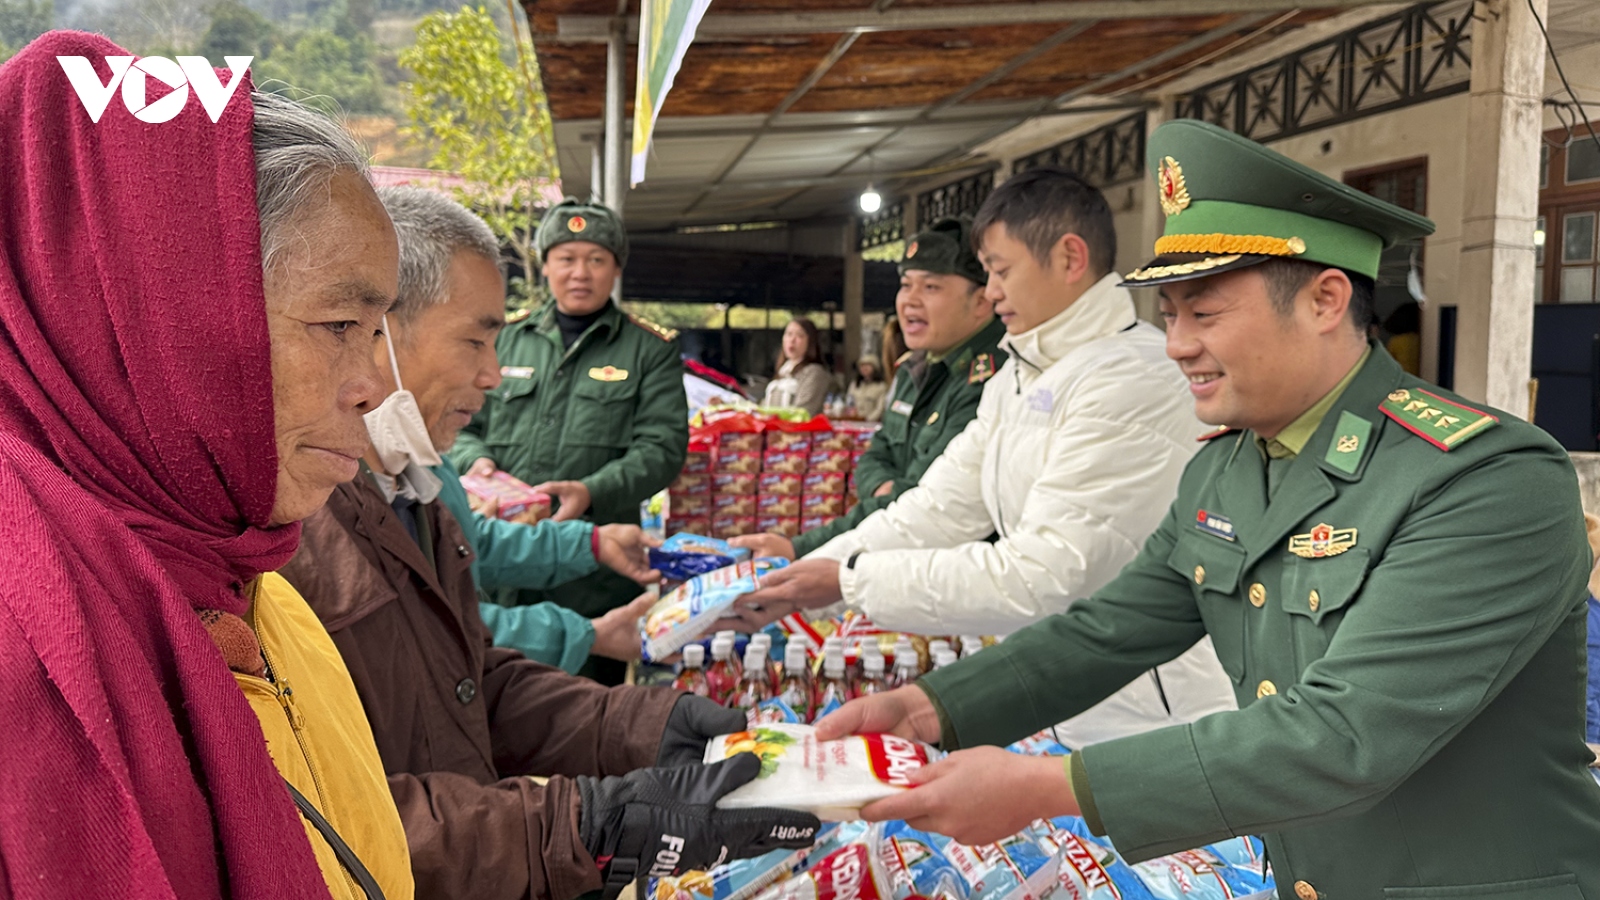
x,y
1323,540
577,224
911,250
1174,192
608,373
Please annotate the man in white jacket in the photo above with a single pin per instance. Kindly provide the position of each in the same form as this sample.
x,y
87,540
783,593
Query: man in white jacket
x,y
1073,459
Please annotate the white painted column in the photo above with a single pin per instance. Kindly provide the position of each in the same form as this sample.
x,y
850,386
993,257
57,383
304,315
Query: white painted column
x,y
616,168
1494,337
1152,221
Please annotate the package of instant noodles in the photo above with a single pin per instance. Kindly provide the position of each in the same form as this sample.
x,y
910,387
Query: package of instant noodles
x,y
687,612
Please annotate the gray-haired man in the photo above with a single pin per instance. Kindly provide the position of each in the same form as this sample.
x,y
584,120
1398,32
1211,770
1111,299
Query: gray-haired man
x,y
457,721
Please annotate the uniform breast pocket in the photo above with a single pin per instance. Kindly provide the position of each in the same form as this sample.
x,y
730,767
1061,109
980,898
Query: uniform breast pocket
x,y
1316,593
506,406
1212,567
600,413
1554,887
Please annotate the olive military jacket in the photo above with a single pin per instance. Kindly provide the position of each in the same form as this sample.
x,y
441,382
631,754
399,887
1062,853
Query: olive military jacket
x,y
1403,625
917,424
609,411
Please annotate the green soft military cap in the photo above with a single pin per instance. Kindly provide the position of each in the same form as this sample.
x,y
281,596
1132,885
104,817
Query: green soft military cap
x,y
945,249
1232,203
574,220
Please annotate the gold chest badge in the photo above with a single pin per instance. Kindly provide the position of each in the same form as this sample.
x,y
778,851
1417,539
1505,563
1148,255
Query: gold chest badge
x,y
1323,540
608,373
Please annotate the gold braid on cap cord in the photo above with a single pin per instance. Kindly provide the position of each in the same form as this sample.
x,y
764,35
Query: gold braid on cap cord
x,y
1243,244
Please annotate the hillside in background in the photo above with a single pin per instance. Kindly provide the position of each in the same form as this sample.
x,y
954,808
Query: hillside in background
x,y
340,55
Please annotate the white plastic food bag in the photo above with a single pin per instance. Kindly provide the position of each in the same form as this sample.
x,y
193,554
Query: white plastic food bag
x,y
830,779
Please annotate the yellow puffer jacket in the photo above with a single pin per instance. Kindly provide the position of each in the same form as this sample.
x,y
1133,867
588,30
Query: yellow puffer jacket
x,y
318,736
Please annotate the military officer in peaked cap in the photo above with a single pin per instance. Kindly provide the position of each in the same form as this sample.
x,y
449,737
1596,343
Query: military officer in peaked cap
x,y
1394,578
591,405
954,334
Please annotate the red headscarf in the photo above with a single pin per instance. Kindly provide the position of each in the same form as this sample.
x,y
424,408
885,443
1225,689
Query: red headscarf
x,y
137,473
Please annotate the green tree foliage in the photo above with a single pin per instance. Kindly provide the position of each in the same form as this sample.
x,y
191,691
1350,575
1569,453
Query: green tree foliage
x,y
236,30
323,69
487,117
21,21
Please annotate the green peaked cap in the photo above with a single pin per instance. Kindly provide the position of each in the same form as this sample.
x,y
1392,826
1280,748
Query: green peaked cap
x,y
945,249
1231,202
574,220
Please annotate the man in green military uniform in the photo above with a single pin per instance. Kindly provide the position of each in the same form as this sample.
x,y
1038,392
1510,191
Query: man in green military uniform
x,y
1394,579
591,407
950,326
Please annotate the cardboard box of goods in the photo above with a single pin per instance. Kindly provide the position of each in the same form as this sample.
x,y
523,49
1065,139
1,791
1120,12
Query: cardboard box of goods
x,y
781,483
740,442
732,526
792,462
739,461
788,526
691,483
700,525
518,501
809,522
823,483
734,482
698,462
822,505
689,504
799,441
777,505
833,440
733,505
830,461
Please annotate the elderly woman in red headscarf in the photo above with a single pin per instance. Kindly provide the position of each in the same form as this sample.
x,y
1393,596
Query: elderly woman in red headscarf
x,y
187,317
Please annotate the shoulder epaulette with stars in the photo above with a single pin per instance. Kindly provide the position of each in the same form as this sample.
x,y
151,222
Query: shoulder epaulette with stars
x,y
1215,434
513,318
1442,423
666,334
981,369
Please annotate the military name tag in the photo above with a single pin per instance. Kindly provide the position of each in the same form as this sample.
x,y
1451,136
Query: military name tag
x,y
1323,540
516,371
608,373
900,408
1213,524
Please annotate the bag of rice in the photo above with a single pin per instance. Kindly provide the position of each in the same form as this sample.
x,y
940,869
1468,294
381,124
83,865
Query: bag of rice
x,y
831,779
849,873
688,611
1092,869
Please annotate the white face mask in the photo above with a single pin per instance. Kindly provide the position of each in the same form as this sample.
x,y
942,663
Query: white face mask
x,y
398,433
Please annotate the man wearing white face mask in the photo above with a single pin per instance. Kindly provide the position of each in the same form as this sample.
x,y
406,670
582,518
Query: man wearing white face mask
x,y
388,567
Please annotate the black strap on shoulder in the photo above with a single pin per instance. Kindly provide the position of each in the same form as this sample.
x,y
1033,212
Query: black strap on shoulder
x,y
346,856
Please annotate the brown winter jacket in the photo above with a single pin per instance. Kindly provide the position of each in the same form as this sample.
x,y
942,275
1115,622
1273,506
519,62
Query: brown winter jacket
x,y
459,722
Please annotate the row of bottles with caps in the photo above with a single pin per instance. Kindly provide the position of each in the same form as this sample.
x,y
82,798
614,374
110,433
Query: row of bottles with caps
x,y
792,691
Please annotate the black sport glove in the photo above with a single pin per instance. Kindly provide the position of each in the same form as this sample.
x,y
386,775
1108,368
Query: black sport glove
x,y
693,721
658,822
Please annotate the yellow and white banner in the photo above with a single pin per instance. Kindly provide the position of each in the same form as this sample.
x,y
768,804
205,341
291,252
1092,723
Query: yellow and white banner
x,y
666,28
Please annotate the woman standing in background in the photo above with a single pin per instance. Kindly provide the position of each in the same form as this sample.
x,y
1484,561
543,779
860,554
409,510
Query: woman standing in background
x,y
801,380
868,392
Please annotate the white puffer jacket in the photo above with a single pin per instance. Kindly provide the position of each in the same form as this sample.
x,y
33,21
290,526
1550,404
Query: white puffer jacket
x,y
1073,459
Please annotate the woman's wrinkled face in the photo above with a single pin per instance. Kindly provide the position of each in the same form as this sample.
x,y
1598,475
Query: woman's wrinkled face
x,y
325,299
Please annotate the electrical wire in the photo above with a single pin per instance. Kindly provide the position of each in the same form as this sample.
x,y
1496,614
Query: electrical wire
x,y
1582,115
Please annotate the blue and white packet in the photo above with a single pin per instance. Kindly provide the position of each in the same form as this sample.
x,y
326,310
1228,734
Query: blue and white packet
x,y
683,556
686,613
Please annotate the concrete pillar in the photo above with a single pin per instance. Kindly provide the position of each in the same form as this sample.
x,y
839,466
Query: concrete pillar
x,y
854,283
1494,338
616,100
1151,220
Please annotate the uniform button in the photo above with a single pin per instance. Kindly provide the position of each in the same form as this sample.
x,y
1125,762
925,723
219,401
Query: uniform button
x,y
1304,890
1265,689
1199,574
1258,595
1315,601
466,689
461,550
